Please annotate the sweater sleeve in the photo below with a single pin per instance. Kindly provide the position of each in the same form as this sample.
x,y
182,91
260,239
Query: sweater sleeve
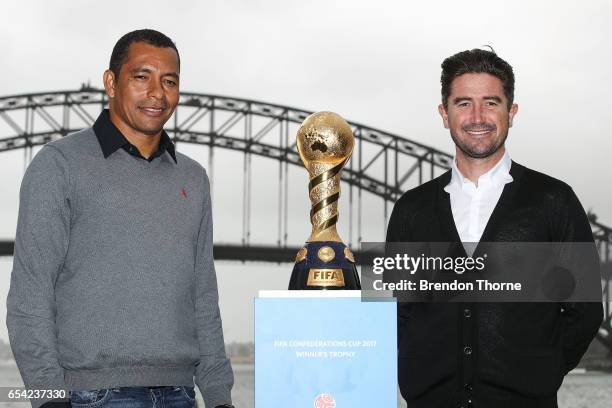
x,y
214,375
580,320
41,243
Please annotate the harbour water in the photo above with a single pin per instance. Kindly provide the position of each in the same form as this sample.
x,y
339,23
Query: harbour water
x,y
588,390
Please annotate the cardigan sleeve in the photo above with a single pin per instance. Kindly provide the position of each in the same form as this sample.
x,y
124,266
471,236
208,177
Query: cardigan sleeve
x,y
580,320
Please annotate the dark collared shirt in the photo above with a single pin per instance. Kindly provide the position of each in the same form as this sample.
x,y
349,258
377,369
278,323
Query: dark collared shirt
x,y
111,139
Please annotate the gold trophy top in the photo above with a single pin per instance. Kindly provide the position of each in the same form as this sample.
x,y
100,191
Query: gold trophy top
x,y
324,138
325,143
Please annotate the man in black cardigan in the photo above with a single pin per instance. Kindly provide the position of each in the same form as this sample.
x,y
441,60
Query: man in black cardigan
x,y
488,354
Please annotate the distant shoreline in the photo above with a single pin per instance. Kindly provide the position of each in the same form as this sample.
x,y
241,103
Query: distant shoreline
x,y
247,363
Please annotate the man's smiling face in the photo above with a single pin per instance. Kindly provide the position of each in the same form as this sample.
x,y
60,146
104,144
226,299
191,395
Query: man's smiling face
x,y
146,92
477,114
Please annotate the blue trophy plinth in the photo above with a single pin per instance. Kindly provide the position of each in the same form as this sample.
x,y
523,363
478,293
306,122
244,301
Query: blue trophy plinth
x,y
324,349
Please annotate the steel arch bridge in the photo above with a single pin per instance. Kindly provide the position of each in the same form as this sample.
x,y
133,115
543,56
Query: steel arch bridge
x,y
383,165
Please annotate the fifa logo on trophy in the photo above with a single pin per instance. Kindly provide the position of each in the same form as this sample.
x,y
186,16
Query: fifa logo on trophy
x,y
325,143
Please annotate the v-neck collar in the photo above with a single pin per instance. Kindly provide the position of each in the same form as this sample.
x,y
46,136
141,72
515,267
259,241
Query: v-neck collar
x,y
503,204
447,222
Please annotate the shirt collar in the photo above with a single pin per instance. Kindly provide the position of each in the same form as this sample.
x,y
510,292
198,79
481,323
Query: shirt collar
x,y
111,138
497,176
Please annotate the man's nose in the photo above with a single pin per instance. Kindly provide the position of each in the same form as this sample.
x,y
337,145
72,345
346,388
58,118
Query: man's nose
x,y
477,113
155,89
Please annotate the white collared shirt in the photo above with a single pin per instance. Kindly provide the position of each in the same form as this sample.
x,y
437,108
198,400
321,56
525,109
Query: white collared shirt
x,y
472,205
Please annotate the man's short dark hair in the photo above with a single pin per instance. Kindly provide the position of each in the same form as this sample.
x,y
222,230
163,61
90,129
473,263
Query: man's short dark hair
x,y
147,36
476,61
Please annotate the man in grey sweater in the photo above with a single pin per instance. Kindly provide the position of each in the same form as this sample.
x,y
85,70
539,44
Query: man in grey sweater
x,y
113,292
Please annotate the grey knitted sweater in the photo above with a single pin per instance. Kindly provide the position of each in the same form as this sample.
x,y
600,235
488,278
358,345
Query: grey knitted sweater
x,y
113,282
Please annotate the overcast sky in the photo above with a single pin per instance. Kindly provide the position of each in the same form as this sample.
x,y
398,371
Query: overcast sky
x,y
374,62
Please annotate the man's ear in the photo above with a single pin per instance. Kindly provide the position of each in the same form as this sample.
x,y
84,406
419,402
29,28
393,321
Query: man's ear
x,y
109,83
443,114
513,110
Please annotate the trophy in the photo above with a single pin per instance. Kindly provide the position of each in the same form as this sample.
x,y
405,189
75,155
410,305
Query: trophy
x,y
325,143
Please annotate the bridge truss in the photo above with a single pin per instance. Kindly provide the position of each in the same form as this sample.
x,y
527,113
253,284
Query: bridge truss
x,y
383,164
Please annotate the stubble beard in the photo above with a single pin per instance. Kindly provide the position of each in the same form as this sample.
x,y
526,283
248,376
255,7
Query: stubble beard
x,y
475,152
152,127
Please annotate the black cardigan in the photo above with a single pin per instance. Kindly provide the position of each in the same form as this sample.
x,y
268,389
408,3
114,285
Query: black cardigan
x,y
492,354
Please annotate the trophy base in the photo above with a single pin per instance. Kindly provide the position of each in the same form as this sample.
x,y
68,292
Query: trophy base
x,y
324,265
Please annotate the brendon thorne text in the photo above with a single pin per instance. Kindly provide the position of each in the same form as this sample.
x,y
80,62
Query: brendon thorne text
x,y
455,285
